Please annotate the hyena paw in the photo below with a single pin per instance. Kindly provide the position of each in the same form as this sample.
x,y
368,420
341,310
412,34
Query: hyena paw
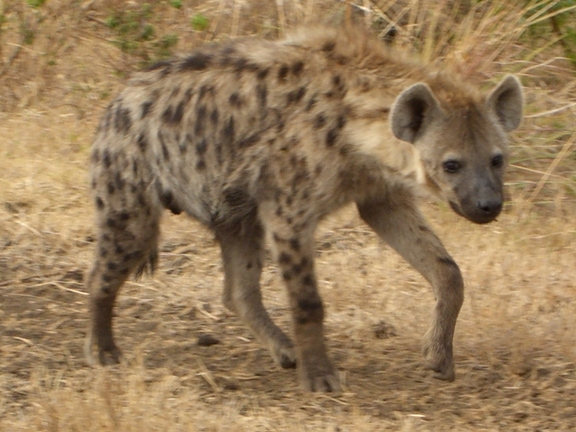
x,y
107,355
319,378
284,353
440,361
286,357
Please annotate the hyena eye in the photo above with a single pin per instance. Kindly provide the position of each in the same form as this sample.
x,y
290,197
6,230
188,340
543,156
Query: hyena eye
x,y
497,161
451,166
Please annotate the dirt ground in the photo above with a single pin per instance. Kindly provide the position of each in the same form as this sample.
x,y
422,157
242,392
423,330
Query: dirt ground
x,y
515,344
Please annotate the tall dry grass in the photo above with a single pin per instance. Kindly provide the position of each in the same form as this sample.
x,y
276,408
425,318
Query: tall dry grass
x,y
63,61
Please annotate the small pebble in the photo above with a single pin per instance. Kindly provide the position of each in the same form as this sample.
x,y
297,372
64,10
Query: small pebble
x,y
207,340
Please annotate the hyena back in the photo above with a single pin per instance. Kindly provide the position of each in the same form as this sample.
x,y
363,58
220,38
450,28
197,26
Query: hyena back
x,y
260,139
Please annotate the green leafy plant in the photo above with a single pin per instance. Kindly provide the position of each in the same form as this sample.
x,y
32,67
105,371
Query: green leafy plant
x,y
199,22
35,3
136,35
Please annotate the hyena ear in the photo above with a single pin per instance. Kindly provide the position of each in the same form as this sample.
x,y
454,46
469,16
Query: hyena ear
x,y
506,101
412,110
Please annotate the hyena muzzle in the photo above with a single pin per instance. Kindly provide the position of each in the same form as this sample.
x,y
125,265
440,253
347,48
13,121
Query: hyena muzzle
x,y
260,140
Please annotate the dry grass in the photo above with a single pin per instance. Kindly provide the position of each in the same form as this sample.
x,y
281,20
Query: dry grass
x,y
515,342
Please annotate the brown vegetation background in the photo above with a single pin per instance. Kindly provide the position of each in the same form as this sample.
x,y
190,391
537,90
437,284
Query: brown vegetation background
x,y
61,62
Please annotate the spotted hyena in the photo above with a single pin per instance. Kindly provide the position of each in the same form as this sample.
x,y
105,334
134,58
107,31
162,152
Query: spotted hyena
x,y
262,139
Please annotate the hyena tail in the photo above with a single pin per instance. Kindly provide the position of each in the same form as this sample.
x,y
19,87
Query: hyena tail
x,y
149,265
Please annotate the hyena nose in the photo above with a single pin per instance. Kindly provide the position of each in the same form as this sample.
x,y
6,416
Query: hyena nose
x,y
490,207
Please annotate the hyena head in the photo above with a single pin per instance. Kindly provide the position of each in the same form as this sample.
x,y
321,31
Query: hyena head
x,y
462,144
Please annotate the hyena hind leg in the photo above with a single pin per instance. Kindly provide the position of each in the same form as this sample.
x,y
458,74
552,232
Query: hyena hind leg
x,y
242,250
126,244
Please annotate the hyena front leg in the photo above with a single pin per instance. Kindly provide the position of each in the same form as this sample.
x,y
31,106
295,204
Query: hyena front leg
x,y
403,227
293,246
242,250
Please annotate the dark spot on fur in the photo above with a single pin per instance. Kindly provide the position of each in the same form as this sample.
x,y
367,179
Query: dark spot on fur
x,y
311,103
172,115
241,64
165,152
423,228
174,92
204,89
167,114
309,310
103,252
214,116
134,170
282,72
249,141
295,244
200,165
337,80
295,95
120,182
310,304
262,94
287,275
201,147
341,121
235,100
99,203
107,159
119,249
124,216
195,62
187,96
111,188
111,266
219,156
331,137
177,117
183,145
249,265
262,73
107,278
284,258
200,118
111,223
122,120
141,200
297,68
308,280
319,121
142,142
298,268
228,131
328,46
345,150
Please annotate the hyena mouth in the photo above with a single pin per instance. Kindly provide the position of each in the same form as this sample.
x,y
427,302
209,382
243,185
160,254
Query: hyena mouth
x,y
456,208
477,217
